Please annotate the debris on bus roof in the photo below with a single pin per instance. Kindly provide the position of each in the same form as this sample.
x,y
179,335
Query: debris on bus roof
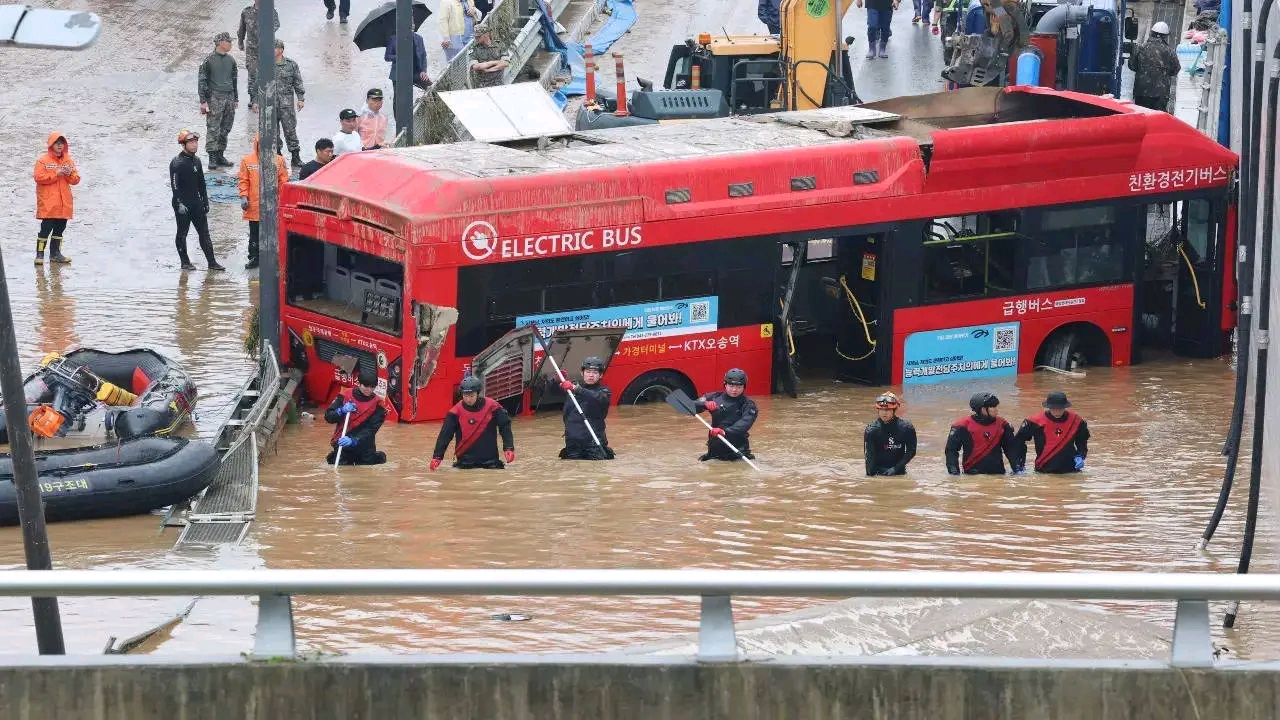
x,y
507,112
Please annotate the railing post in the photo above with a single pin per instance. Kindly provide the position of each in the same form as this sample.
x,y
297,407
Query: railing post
x,y
274,636
1192,642
717,641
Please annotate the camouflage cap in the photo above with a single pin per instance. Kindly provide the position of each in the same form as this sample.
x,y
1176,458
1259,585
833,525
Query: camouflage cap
x,y
221,38
481,27
279,43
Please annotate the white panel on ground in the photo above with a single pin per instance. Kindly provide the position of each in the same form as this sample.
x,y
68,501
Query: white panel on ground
x,y
507,112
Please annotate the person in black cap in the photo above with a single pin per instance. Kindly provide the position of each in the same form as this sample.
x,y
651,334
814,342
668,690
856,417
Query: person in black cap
x,y
475,422
981,437
366,413
594,399
372,124
1061,436
347,139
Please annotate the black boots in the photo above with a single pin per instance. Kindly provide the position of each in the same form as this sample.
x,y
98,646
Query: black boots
x,y
217,160
296,160
55,251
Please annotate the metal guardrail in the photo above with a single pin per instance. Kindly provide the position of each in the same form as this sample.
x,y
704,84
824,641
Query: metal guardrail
x,y
717,641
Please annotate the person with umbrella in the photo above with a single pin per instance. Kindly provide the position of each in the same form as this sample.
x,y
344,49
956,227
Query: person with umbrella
x,y
378,30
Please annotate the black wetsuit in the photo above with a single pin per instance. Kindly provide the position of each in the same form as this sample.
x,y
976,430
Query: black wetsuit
x,y
733,415
1064,449
364,426
996,437
889,446
479,442
190,203
578,444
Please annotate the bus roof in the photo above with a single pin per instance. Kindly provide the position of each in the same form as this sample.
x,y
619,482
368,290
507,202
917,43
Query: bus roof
x,y
944,142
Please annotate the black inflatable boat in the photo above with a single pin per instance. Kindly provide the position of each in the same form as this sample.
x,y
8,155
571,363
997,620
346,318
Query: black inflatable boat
x,y
144,392
129,478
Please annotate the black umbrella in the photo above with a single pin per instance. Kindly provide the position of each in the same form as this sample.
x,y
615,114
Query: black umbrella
x,y
380,25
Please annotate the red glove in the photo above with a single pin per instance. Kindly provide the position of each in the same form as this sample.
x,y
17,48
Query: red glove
x,y
435,463
718,432
566,386
510,455
711,405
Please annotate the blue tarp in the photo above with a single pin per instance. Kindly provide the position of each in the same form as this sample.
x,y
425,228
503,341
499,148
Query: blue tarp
x,y
622,15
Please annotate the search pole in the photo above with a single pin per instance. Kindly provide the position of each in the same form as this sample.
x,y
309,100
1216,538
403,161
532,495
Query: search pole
x,y
35,537
268,191
404,68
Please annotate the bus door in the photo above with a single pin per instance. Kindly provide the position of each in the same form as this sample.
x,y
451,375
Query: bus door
x,y
1197,325
785,378
857,282
515,370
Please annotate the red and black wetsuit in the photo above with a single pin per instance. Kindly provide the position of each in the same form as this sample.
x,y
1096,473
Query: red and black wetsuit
x,y
476,429
364,425
983,439
1058,440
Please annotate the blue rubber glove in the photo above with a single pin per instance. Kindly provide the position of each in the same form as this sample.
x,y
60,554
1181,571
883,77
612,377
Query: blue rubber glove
x,y
1079,463
348,408
346,441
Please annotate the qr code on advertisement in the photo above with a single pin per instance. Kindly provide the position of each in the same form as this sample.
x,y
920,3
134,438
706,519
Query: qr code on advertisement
x,y
700,312
1005,339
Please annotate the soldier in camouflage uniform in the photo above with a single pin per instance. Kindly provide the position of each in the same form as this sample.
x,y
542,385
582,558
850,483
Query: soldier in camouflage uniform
x,y
488,61
219,94
248,40
289,99
1154,65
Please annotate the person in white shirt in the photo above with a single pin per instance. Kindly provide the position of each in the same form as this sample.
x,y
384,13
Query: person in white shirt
x,y
347,139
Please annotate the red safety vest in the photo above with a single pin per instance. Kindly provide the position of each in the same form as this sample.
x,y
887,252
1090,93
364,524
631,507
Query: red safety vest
x,y
986,438
1058,435
364,410
472,423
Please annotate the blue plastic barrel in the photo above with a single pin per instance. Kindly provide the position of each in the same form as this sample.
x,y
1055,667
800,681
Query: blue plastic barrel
x,y
1028,68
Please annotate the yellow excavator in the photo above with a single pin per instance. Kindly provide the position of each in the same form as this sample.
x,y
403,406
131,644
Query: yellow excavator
x,y
806,66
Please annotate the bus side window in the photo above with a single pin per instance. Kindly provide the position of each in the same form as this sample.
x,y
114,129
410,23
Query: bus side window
x,y
1076,246
970,256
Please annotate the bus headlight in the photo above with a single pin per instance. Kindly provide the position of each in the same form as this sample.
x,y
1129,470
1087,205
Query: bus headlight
x,y
393,384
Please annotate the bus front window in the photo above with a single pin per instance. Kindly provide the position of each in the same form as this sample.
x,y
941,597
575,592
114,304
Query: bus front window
x,y
349,285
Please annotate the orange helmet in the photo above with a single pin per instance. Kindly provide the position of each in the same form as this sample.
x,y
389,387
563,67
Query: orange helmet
x,y
185,135
888,401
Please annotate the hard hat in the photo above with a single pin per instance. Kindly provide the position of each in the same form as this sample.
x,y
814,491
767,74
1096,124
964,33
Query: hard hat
x,y
471,384
593,363
888,401
185,135
1160,28
983,400
735,377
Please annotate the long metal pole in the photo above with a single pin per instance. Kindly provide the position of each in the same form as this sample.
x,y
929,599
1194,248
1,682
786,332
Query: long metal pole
x,y
35,538
268,199
404,68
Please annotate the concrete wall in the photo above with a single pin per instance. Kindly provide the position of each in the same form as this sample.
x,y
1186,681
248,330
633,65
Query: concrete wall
x,y
603,690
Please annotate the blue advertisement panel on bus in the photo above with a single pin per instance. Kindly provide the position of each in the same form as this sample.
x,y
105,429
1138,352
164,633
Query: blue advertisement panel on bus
x,y
642,321
977,351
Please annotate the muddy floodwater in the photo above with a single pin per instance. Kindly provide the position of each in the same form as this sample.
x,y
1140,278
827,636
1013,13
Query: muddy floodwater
x,y
1153,472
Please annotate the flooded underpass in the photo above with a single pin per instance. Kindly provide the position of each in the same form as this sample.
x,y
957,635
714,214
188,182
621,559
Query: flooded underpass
x,y
1153,472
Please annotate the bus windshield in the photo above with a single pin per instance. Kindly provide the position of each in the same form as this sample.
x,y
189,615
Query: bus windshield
x,y
345,284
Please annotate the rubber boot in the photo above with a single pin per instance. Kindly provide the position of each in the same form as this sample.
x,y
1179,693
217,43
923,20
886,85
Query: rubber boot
x,y
871,49
55,251
884,48
40,243
253,256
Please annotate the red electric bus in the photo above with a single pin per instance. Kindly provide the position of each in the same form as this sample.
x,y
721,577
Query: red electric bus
x,y
958,235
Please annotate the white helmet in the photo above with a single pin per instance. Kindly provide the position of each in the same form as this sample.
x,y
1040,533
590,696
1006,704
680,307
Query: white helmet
x,y
1160,28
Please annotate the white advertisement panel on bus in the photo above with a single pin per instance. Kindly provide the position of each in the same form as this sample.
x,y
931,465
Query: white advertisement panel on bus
x,y
642,321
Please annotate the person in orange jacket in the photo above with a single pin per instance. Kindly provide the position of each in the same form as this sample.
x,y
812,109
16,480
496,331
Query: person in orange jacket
x,y
55,173
250,176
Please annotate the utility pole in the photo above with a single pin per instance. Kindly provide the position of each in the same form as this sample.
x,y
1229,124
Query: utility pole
x,y
269,192
35,538
404,68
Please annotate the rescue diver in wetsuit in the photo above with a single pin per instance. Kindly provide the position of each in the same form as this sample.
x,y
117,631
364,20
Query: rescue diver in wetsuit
x,y
982,437
889,441
476,422
1061,436
594,399
732,415
366,413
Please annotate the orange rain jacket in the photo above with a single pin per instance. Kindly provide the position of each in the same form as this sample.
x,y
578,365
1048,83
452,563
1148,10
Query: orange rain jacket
x,y
53,191
250,177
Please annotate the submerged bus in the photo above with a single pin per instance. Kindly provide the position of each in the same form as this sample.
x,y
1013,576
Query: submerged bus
x,y
966,234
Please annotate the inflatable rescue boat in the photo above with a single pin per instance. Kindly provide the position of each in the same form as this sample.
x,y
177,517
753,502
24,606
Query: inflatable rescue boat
x,y
131,477
143,393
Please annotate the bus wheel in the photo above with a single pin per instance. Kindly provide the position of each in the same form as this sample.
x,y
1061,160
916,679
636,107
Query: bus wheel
x,y
1075,346
655,386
